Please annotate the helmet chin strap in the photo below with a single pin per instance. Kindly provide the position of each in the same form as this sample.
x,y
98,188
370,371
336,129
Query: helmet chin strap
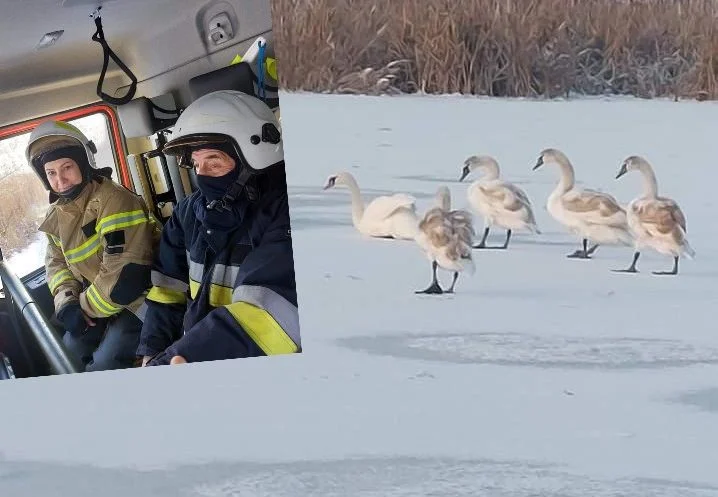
x,y
230,196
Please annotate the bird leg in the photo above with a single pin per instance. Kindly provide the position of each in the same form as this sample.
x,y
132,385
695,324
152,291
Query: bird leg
x,y
482,243
453,283
632,267
434,288
508,237
585,253
672,271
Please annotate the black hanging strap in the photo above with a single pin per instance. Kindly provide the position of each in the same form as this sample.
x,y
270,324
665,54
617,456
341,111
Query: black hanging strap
x,y
107,52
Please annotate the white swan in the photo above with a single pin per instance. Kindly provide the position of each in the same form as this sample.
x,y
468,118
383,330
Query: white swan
x,y
592,215
656,222
500,203
392,216
446,237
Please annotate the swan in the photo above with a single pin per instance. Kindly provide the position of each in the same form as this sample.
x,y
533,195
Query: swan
x,y
590,214
656,222
389,216
500,203
446,236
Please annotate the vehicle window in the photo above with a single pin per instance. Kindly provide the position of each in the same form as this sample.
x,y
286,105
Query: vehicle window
x,y
24,200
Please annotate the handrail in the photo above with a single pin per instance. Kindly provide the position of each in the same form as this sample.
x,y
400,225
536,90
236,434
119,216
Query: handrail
x,y
6,372
60,361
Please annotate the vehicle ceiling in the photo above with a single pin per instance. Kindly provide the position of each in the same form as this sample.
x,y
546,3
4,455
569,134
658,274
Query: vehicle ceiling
x,y
152,37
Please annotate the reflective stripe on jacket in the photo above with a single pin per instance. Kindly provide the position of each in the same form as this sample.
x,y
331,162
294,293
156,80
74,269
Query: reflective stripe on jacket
x,y
100,249
246,290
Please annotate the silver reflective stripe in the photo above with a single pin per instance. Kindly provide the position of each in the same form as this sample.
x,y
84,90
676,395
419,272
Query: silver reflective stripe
x,y
141,311
225,275
286,314
221,275
195,270
159,279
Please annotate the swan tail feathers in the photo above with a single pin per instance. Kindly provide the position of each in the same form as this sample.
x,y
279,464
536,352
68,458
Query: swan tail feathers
x,y
688,250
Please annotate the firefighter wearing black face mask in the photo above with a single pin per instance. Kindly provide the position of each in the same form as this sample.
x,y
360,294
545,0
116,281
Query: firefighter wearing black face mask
x,y
223,279
101,238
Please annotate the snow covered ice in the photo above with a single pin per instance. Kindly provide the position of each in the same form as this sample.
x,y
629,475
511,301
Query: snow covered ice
x,y
541,375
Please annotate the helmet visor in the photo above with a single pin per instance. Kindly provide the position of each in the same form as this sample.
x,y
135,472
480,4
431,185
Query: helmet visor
x,y
183,147
49,143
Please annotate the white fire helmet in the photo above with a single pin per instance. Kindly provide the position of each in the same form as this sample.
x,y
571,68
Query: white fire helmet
x,y
52,135
228,116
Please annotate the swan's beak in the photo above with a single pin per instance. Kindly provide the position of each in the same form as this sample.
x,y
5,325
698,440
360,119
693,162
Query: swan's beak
x,y
330,183
539,163
464,173
622,171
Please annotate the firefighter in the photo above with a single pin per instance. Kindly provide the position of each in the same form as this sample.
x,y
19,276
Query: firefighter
x,y
101,238
223,278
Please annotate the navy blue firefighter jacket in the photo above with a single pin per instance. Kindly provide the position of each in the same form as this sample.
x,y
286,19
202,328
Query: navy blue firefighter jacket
x,y
211,301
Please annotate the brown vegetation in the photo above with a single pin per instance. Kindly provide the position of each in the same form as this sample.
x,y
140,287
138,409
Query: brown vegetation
x,y
23,201
516,48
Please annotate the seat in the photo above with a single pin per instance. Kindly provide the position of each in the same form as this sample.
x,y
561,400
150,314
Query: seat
x,y
239,77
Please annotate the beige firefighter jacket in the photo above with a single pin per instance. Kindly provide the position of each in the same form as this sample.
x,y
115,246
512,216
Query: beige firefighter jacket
x,y
100,250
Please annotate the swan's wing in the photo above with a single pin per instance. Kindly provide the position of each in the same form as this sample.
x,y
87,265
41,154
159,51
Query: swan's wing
x,y
659,217
464,233
519,193
676,211
462,225
593,206
436,227
504,195
404,198
451,231
384,206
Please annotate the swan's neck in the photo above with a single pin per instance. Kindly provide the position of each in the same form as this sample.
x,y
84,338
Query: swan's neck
x,y
650,183
567,179
444,202
357,202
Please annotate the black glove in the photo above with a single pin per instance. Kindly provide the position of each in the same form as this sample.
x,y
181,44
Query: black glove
x,y
73,319
209,344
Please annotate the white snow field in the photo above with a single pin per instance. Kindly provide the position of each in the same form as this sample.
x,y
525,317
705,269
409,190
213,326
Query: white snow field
x,y
540,376
27,260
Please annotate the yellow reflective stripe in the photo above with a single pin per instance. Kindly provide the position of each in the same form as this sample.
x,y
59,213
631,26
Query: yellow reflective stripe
x,y
153,219
61,276
166,296
105,225
193,288
282,310
84,251
55,240
102,306
262,328
121,220
219,295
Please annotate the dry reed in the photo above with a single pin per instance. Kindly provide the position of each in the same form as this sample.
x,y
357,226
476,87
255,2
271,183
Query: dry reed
x,y
514,48
23,201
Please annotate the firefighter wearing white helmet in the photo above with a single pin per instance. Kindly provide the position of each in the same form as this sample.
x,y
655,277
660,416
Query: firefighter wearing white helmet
x,y
241,125
101,238
53,139
223,278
